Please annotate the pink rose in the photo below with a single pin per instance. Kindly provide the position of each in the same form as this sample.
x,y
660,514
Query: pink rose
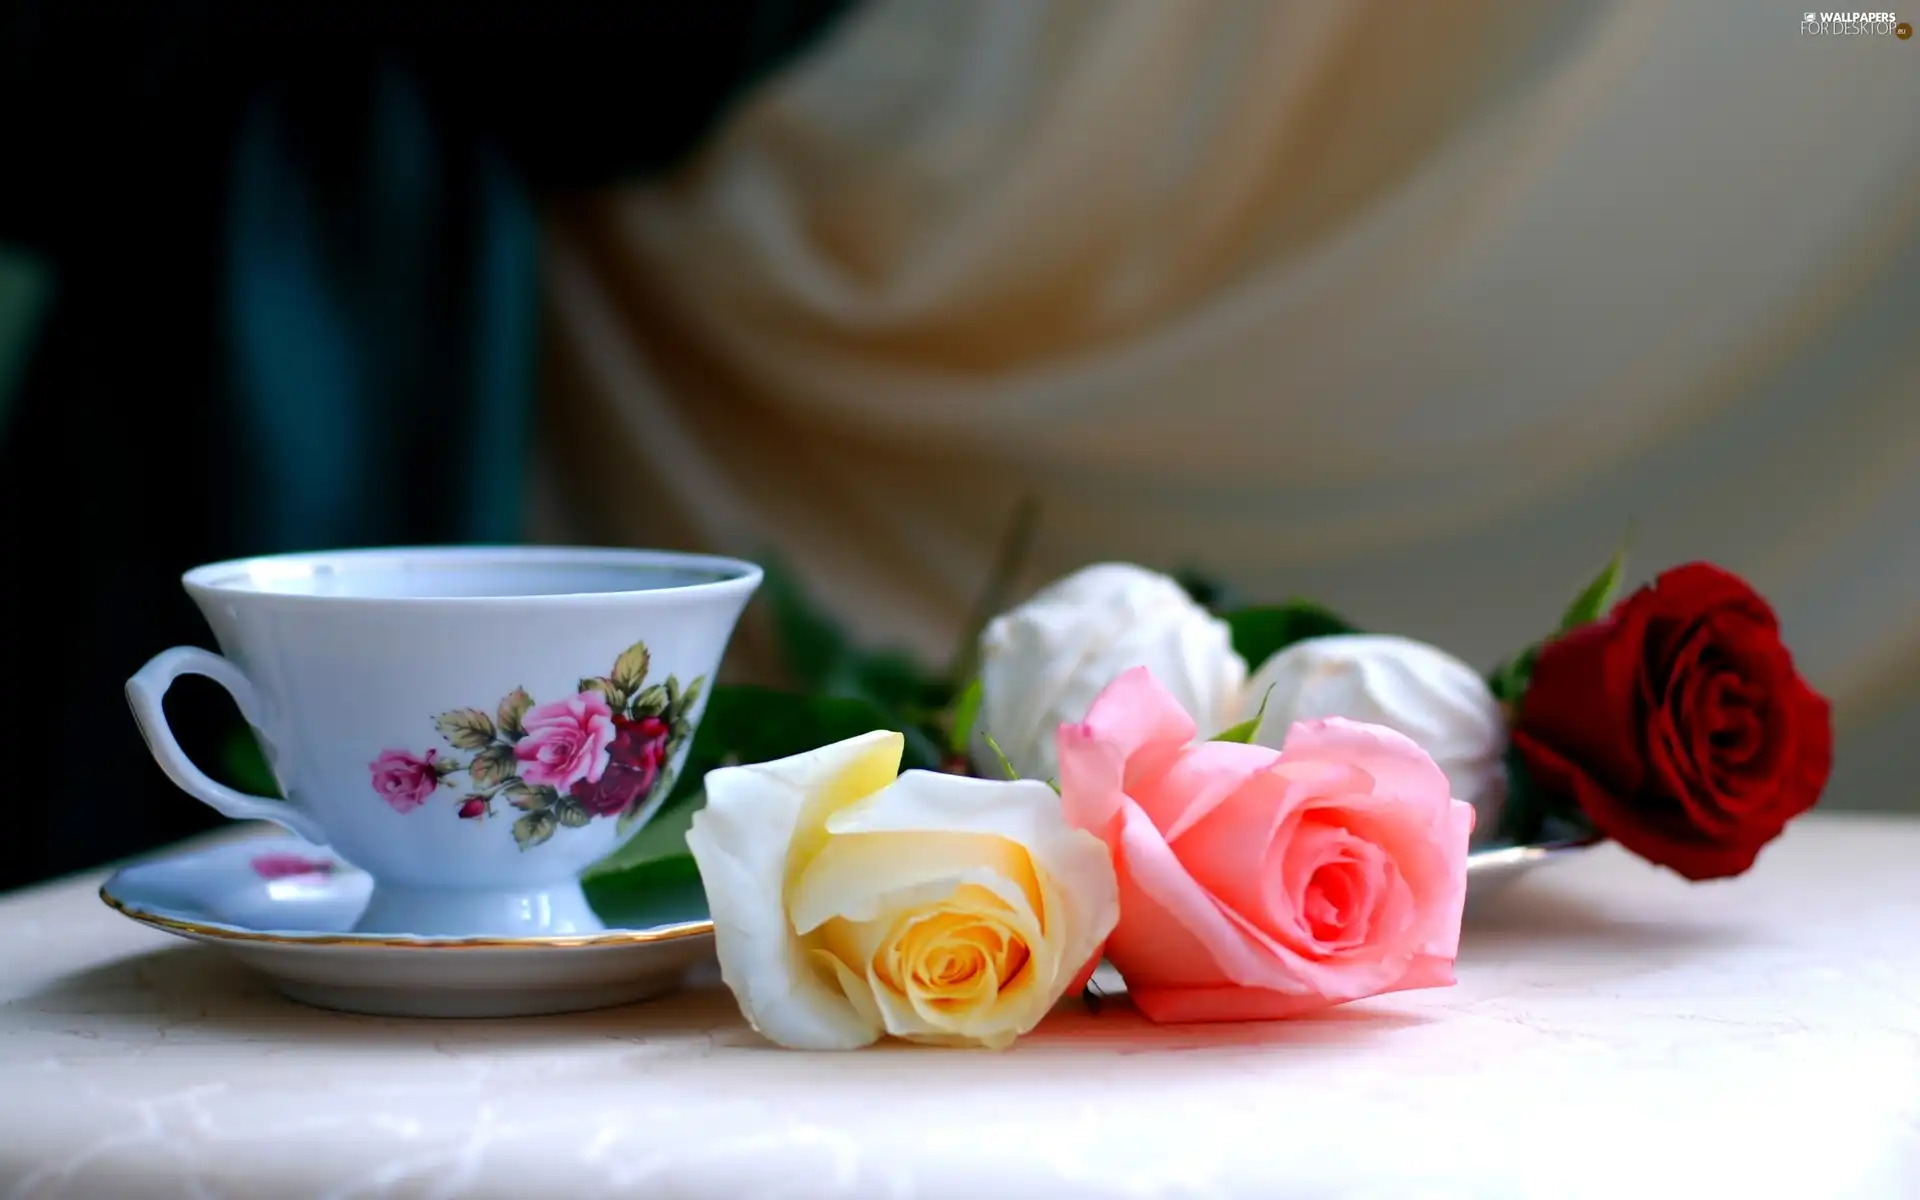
x,y
1259,883
566,741
404,780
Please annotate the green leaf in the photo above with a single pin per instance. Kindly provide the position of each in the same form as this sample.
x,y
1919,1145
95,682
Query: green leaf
x,y
824,661
812,644
1509,681
756,724
1244,731
446,764
662,837
745,724
1597,597
512,709
966,711
898,688
1241,732
245,765
1209,593
651,702
571,814
1263,631
610,691
673,692
690,697
664,891
630,669
1005,764
889,679
529,799
466,728
492,766
534,828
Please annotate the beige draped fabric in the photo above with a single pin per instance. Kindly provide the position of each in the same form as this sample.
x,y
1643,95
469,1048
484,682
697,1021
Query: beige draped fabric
x,y
1411,308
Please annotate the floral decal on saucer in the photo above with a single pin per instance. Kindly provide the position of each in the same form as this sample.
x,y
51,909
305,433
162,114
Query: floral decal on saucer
x,y
290,866
600,752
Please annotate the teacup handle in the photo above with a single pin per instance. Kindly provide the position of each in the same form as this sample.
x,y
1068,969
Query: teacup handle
x,y
148,688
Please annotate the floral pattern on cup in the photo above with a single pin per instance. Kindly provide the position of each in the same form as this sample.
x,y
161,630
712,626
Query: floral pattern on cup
x,y
291,866
405,780
601,752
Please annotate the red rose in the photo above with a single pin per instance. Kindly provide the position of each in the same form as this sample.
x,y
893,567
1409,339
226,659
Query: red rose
x,y
638,751
1679,724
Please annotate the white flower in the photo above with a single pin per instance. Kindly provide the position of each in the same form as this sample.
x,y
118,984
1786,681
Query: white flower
x,y
1042,663
848,903
1417,689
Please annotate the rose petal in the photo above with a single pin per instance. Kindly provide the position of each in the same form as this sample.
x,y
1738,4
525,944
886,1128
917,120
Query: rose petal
x,y
1231,847
1396,762
1700,587
855,987
865,878
1074,870
903,1020
1015,697
1046,661
1812,727
1197,782
757,821
1177,932
1584,701
1440,936
1021,810
1181,1005
1674,771
1427,971
1174,931
1668,842
1334,889
1135,728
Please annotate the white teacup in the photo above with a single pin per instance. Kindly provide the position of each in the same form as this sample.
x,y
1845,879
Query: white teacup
x,y
471,726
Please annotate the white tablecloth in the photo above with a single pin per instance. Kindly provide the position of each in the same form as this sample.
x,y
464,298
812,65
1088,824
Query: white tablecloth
x,y
1615,1032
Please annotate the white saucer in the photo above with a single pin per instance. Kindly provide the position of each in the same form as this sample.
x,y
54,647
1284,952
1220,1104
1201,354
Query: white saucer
x,y
286,908
1492,868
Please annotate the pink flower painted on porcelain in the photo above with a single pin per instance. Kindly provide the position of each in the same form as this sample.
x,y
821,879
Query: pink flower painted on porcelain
x,y
605,752
1261,883
404,780
566,741
635,759
290,866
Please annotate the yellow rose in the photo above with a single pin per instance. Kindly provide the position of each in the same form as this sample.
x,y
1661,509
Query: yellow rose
x,y
849,903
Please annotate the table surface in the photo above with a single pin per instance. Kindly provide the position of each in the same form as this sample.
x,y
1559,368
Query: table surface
x,y
1615,1032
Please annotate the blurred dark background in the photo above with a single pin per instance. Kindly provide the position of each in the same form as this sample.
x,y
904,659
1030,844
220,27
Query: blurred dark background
x,y
269,282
